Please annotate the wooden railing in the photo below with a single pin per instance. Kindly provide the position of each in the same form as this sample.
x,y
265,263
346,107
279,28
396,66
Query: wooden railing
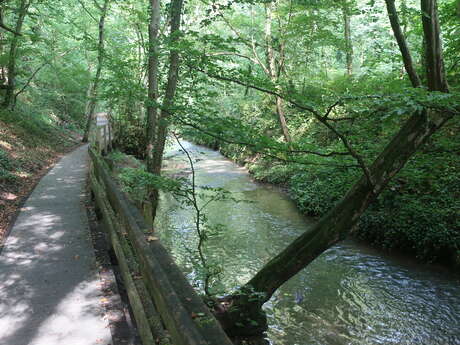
x,y
166,308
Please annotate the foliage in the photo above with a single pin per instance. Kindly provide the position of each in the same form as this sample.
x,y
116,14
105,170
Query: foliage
x,y
116,156
130,138
137,182
420,211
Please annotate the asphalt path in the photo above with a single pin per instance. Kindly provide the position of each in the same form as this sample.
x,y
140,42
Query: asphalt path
x,y
50,291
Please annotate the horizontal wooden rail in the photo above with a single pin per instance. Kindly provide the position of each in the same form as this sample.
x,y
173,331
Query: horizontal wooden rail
x,y
183,313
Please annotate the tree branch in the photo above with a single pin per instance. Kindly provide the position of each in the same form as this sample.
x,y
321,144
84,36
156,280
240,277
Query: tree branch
x,y
35,73
326,116
3,26
100,7
234,54
251,44
87,11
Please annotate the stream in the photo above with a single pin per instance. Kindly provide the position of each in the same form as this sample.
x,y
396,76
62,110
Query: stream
x,y
351,294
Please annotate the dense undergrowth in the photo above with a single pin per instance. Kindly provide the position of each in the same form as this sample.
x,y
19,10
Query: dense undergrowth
x,y
419,211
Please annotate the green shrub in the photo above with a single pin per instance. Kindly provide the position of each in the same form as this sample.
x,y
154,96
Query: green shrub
x,y
5,161
137,182
419,212
116,156
131,139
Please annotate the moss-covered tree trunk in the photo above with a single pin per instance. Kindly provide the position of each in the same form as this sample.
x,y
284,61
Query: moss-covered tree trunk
x,y
152,73
151,104
339,222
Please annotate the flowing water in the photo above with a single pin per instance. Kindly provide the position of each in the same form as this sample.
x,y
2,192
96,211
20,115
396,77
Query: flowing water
x,y
351,294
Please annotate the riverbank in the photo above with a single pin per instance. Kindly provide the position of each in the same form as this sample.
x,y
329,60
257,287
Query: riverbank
x,y
29,148
418,214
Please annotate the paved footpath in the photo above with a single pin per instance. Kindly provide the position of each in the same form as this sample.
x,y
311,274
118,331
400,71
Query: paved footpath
x,y
49,285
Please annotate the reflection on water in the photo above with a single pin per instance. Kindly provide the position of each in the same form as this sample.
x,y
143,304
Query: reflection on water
x,y
350,295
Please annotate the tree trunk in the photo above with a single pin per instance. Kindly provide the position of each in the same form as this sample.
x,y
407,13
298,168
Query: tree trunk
x,y
433,47
97,77
348,42
274,73
9,94
400,38
158,125
89,92
173,72
152,107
